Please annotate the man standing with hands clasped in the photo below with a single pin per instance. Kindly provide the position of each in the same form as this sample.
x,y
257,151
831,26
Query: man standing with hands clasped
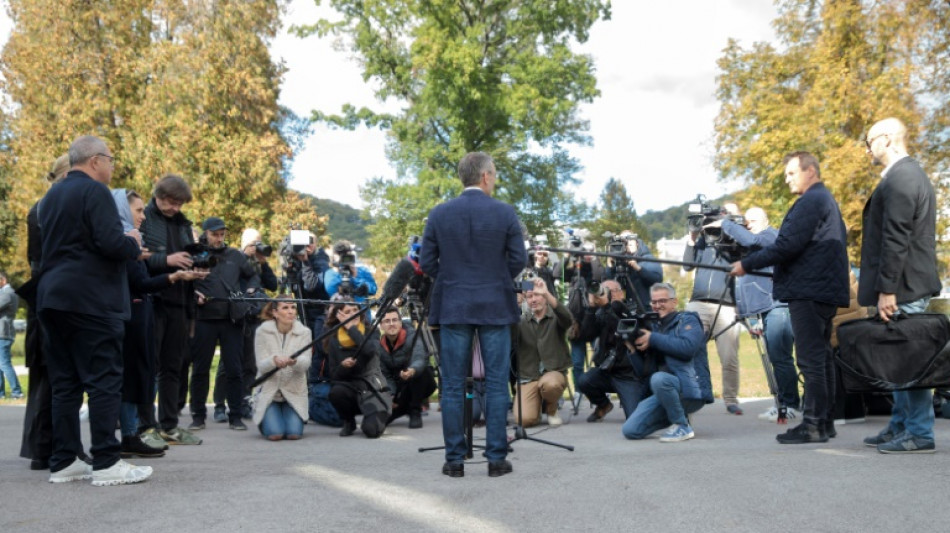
x,y
899,269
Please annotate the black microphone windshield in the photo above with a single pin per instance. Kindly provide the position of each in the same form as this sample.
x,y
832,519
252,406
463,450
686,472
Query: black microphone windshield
x,y
618,308
402,273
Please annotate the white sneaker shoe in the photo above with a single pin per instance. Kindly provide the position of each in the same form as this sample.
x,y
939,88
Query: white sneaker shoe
x,y
772,414
120,473
554,420
77,471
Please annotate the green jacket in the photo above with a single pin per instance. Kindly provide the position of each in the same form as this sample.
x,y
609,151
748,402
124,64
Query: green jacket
x,y
542,343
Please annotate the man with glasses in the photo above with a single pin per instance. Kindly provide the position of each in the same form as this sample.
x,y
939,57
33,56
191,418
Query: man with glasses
x,y
404,363
166,233
615,369
899,269
680,384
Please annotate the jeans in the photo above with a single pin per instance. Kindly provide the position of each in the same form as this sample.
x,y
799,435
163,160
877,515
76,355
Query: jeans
x,y
6,369
778,344
811,324
578,359
662,409
129,419
281,419
727,342
596,384
913,409
456,363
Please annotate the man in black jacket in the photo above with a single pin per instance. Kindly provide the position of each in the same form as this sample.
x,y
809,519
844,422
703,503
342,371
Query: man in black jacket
x,y
220,320
811,274
899,269
404,363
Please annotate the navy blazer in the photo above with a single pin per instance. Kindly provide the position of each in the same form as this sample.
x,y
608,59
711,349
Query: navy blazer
x,y
810,254
898,245
84,250
473,248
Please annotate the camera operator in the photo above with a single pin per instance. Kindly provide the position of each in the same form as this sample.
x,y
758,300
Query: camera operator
x,y
580,270
634,276
405,367
257,253
753,297
347,278
681,384
713,299
220,320
166,232
614,368
542,356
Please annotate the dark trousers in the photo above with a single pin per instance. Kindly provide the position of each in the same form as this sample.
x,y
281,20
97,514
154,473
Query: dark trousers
x,y
38,419
409,395
811,324
171,337
208,333
248,366
84,354
346,399
596,384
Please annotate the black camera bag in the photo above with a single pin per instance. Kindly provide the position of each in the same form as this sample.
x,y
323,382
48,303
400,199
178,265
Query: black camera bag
x,y
912,351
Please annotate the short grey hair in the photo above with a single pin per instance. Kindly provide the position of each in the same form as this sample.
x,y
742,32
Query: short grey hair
x,y
85,148
669,288
472,166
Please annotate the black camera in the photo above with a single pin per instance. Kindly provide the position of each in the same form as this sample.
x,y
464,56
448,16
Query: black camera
x,y
263,249
202,255
527,282
347,255
597,289
703,213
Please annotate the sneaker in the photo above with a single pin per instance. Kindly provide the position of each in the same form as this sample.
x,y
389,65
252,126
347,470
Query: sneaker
x,y
133,446
600,412
554,420
734,409
415,419
197,424
907,443
238,425
121,473
803,433
772,414
180,436
678,433
220,414
151,437
886,435
77,471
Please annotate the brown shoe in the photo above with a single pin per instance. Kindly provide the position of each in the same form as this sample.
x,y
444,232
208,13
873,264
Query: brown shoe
x,y
600,412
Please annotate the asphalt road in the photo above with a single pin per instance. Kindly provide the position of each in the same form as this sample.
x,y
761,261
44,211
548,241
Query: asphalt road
x,y
732,477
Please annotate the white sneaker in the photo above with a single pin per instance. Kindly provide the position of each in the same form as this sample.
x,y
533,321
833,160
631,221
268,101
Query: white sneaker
x,y
120,473
554,420
772,414
77,471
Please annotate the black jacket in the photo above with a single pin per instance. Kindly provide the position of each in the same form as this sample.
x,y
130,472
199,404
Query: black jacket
x,y
898,248
392,362
155,230
601,324
232,272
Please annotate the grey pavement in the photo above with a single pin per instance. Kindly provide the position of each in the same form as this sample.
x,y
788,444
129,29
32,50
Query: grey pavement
x,y
732,477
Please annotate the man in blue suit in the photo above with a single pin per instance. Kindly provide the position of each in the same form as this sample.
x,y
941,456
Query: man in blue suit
x,y
473,248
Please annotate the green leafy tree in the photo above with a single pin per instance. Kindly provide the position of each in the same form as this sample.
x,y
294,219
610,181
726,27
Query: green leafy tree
x,y
616,213
498,77
840,67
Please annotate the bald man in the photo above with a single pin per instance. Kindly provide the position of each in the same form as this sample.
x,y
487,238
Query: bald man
x,y
899,268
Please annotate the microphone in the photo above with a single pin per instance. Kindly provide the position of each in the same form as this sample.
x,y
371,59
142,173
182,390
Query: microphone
x,y
402,273
619,308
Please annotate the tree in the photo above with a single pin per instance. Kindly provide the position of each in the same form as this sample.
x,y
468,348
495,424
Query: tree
x,y
616,213
498,77
842,66
171,85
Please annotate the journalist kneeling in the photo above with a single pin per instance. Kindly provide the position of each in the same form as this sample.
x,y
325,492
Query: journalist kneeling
x,y
280,407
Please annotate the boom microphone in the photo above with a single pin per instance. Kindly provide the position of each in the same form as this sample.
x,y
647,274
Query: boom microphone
x,y
619,308
402,273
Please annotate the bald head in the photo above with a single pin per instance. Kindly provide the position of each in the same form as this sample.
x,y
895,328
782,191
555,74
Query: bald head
x,y
756,219
887,141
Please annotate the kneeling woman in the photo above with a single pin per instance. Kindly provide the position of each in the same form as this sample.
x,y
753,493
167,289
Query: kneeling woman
x,y
281,405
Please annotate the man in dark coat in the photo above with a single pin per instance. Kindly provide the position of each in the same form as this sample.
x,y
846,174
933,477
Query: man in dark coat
x,y
82,301
899,268
473,248
811,274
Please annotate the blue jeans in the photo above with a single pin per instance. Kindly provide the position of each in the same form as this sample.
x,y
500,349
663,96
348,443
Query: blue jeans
x,y
578,359
281,419
778,344
6,369
913,410
129,419
661,410
456,362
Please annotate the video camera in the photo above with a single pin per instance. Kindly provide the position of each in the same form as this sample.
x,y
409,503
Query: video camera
x,y
703,213
574,238
202,255
617,244
264,249
345,264
292,247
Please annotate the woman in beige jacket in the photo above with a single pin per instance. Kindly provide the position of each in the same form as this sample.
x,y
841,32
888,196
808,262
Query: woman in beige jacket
x,y
280,408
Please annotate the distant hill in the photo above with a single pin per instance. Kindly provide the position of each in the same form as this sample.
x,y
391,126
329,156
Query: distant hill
x,y
671,222
345,222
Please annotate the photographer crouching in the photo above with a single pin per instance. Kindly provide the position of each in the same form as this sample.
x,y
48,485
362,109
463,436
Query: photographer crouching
x,y
615,368
403,362
681,384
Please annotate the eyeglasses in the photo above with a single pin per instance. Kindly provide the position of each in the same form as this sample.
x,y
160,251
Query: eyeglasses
x,y
870,140
391,321
661,301
109,157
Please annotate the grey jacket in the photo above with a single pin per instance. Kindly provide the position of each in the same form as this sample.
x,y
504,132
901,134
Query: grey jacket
x,y
8,305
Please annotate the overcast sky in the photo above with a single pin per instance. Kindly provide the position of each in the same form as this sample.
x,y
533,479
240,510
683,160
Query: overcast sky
x,y
651,128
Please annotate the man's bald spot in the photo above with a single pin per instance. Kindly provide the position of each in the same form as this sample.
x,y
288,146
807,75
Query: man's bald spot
x,y
893,128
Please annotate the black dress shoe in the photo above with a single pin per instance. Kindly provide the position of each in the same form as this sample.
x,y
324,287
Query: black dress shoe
x,y
499,468
39,464
415,419
349,427
454,469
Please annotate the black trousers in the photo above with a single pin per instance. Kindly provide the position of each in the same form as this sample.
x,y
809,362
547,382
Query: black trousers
x,y
811,324
38,419
171,337
409,395
346,400
248,366
208,333
84,354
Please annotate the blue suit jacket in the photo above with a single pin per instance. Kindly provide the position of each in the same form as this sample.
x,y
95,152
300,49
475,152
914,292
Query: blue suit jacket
x,y
473,248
